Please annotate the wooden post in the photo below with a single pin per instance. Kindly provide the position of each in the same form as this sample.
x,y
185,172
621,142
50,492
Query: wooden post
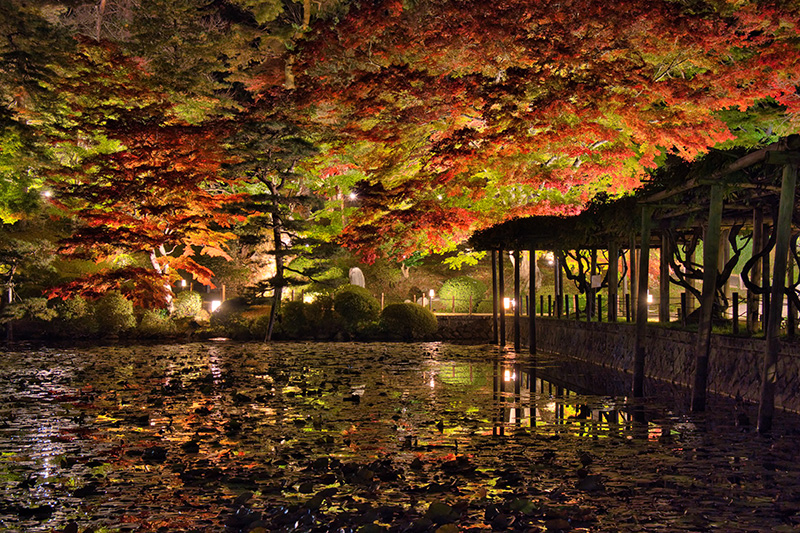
x,y
791,312
599,298
783,229
550,305
577,308
641,308
469,311
627,307
633,274
566,306
383,299
517,332
532,304
735,313
558,286
501,282
495,336
663,281
541,305
613,281
709,289
754,299
684,311
765,282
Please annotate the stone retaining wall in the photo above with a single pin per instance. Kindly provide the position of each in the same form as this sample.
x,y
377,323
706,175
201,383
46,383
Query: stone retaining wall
x,y
734,363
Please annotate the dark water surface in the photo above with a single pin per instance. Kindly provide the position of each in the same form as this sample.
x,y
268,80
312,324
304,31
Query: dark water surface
x,y
230,437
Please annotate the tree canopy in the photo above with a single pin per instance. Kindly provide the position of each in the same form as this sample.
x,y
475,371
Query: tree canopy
x,y
441,117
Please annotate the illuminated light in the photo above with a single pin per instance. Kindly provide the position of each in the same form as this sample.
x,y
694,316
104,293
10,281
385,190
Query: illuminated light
x,y
308,298
509,303
183,283
431,293
432,383
47,194
508,375
215,305
353,196
649,298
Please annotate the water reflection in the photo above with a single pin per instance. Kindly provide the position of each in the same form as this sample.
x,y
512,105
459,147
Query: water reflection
x,y
530,394
108,435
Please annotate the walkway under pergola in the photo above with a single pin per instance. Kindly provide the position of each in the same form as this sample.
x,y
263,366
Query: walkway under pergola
x,y
726,203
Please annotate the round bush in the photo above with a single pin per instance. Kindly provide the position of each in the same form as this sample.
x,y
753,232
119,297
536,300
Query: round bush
x,y
114,313
462,288
324,322
408,321
356,306
294,320
156,324
75,318
188,304
228,321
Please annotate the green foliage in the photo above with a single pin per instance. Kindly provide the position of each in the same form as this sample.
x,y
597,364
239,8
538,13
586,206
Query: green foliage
x,y
29,309
294,322
188,304
114,313
76,308
156,324
462,259
76,318
356,306
486,306
408,321
462,289
229,320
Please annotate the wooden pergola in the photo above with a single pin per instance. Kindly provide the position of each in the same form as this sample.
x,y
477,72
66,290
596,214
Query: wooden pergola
x,y
753,192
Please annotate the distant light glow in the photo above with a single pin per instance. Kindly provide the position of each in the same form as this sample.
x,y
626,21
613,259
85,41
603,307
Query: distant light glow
x,y
47,193
183,283
649,298
509,303
215,305
353,196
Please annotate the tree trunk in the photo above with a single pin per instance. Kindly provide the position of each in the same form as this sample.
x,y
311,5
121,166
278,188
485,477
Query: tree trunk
x,y
163,271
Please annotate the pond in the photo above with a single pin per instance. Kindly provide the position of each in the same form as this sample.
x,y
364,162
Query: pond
x,y
231,437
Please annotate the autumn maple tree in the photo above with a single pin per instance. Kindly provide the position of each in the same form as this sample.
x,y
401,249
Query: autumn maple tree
x,y
461,114
143,186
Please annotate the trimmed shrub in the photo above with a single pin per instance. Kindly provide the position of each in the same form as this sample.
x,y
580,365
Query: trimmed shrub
x,y
34,309
325,322
408,321
228,321
462,288
357,307
156,324
294,320
188,304
75,318
114,313
486,306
